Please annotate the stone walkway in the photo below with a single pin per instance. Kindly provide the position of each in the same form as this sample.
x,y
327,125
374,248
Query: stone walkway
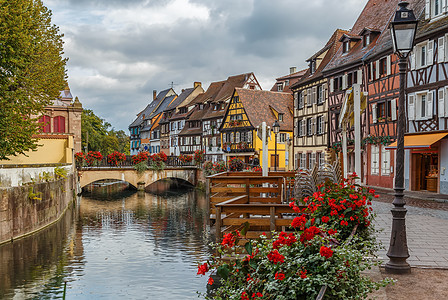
x,y
427,232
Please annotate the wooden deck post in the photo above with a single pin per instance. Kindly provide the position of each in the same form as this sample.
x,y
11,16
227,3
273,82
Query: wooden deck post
x,y
218,224
272,218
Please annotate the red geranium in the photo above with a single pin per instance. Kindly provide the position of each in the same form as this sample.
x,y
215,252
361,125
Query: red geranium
x,y
279,276
275,257
202,269
326,252
210,281
325,219
299,222
309,234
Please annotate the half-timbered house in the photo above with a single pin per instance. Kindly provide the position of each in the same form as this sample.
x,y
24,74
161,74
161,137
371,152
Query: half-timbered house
x,y
168,128
427,106
284,83
348,67
247,110
311,108
382,86
215,110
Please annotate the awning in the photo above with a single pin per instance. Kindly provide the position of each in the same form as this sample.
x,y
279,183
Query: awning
x,y
419,141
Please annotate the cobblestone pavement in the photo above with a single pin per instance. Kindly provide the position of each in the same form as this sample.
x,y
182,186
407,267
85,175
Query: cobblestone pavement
x,y
426,226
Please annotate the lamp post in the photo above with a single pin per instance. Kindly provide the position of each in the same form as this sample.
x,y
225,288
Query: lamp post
x,y
403,29
276,128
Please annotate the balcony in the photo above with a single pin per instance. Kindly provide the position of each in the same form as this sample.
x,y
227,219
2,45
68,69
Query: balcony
x,y
240,147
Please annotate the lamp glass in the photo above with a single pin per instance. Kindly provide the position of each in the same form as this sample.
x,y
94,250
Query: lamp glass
x,y
276,127
403,35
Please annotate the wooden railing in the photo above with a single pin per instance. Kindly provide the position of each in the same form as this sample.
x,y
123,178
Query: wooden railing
x,y
238,199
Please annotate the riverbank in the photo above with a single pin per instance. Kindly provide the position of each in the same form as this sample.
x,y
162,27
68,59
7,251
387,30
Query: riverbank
x,y
25,210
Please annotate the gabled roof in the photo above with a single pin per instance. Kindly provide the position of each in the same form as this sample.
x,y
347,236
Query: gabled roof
x,y
293,78
150,108
259,104
384,41
232,82
162,106
376,14
332,46
210,94
185,93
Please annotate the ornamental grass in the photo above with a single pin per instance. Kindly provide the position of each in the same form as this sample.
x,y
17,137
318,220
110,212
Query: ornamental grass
x,y
318,250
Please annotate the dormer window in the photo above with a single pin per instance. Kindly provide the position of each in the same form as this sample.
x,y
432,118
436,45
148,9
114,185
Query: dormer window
x,y
280,87
435,8
346,47
366,40
280,117
312,66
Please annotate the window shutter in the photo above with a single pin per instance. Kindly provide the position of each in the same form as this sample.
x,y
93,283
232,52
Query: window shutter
x,y
324,93
314,95
446,47
331,83
430,57
296,99
377,69
411,107
374,118
412,59
303,127
393,105
429,103
441,102
309,97
441,49
313,126
445,4
427,9
371,71
389,65
344,81
359,74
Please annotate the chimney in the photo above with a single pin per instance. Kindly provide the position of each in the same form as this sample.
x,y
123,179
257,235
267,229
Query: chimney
x,y
292,70
197,83
183,90
154,94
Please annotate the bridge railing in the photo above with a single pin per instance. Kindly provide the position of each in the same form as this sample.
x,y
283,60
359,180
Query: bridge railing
x,y
172,161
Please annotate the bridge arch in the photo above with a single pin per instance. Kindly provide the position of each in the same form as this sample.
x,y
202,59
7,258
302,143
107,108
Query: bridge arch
x,y
134,178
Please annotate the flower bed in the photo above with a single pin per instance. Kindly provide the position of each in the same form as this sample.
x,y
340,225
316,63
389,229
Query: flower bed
x,y
318,251
116,158
93,158
185,158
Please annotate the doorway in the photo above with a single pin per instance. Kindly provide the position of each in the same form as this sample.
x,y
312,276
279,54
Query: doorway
x,y
425,171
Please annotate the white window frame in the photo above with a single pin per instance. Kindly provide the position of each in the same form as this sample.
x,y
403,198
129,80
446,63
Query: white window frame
x,y
302,160
320,94
385,161
424,110
301,103
312,160
374,160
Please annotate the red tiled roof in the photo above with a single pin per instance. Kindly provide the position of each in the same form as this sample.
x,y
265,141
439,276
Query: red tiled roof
x,y
376,14
332,46
258,105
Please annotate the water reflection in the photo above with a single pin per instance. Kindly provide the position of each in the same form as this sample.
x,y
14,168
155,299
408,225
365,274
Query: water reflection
x,y
137,246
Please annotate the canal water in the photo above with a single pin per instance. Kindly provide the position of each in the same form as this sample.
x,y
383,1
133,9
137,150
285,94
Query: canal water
x,y
132,245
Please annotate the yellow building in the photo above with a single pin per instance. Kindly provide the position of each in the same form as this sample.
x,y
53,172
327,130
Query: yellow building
x,y
60,135
247,110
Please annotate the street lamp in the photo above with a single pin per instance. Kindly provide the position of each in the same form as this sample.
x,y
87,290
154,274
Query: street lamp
x,y
403,29
276,128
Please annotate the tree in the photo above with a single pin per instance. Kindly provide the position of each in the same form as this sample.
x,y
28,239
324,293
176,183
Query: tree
x,y
32,72
96,135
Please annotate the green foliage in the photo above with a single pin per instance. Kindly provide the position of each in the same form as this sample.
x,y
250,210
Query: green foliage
x,y
97,133
157,165
60,172
141,167
32,72
45,176
319,250
34,196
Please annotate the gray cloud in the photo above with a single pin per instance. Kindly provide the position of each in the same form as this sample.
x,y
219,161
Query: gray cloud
x,y
119,51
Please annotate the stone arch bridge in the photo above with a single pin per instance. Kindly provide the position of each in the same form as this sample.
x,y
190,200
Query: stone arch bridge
x,y
138,180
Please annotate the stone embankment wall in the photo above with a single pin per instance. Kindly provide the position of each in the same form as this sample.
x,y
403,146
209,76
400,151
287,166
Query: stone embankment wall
x,y
30,208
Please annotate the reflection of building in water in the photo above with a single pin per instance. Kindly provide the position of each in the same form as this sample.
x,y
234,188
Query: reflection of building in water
x,y
28,265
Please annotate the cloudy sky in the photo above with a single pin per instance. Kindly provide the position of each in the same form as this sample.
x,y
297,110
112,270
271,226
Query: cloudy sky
x,y
121,50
